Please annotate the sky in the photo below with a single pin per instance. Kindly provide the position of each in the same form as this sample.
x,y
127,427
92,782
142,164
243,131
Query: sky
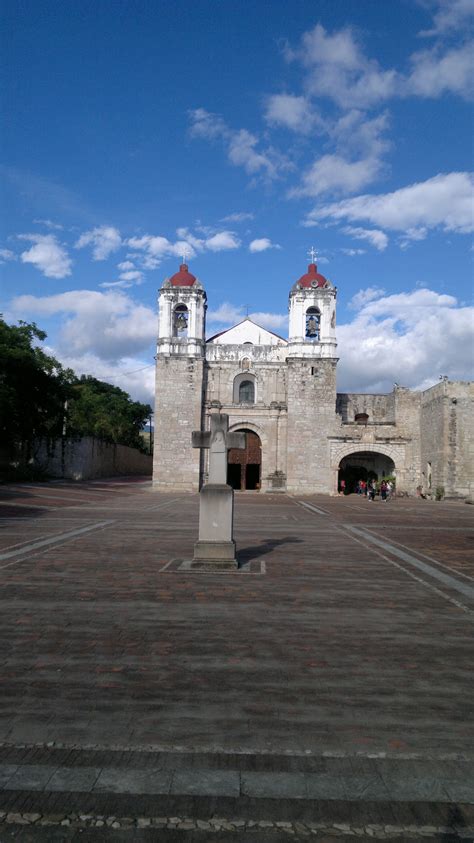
x,y
243,134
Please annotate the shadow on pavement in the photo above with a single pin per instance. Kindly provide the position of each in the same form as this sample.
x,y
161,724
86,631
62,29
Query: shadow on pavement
x,y
247,553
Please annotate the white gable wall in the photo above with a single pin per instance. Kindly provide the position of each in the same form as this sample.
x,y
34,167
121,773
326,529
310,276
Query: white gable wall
x,y
247,331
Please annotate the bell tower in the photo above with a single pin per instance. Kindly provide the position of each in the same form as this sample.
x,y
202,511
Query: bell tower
x,y
179,387
311,363
312,308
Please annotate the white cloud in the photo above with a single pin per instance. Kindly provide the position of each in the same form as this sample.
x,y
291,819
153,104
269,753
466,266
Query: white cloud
x,y
361,135
135,375
364,296
156,248
240,216
7,255
104,239
292,112
240,145
222,241
110,325
272,321
132,275
153,249
49,256
451,15
116,285
228,314
353,252
444,200
49,224
410,338
376,238
434,73
242,152
334,173
262,244
124,265
337,68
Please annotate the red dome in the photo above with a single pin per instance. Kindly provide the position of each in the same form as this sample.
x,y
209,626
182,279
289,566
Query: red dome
x,y
183,278
312,278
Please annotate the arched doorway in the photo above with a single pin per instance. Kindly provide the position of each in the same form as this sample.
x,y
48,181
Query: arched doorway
x,y
364,465
244,466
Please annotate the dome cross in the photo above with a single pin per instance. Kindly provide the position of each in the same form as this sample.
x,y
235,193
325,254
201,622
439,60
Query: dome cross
x,y
312,254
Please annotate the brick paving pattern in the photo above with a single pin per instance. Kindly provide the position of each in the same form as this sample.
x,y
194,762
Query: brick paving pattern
x,y
327,682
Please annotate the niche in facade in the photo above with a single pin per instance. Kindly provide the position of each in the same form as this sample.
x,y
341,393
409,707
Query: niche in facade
x,y
244,389
313,323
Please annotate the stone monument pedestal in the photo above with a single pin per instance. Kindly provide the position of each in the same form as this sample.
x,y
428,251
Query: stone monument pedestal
x,y
215,547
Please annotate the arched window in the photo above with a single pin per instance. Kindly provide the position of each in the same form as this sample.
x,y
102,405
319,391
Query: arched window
x,y
180,321
361,418
313,323
246,393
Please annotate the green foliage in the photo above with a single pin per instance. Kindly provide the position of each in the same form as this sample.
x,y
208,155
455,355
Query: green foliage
x,y
33,387
107,412
39,399
439,493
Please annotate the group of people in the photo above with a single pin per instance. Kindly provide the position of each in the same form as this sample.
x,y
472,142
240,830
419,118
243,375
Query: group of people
x,y
369,489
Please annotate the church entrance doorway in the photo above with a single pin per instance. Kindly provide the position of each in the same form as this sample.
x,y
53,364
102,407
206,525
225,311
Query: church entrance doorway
x,y
363,465
244,466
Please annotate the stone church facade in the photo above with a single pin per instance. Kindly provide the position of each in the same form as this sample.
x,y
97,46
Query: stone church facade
x,y
302,436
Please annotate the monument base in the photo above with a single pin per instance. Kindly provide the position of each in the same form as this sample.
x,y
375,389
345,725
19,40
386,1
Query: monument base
x,y
216,547
212,554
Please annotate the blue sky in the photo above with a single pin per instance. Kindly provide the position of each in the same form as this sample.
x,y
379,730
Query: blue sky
x,y
247,133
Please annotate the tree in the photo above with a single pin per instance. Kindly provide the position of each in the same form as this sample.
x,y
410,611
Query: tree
x,y
40,399
107,412
33,387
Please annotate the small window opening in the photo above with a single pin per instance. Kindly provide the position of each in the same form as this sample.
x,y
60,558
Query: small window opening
x,y
361,418
313,323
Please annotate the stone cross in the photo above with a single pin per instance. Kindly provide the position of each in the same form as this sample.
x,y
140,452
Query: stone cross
x,y
215,547
312,254
219,441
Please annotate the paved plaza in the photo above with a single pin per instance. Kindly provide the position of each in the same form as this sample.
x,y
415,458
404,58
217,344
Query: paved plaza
x,y
323,690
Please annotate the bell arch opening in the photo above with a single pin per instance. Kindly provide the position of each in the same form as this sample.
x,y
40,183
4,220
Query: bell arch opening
x,y
180,321
313,323
363,465
244,467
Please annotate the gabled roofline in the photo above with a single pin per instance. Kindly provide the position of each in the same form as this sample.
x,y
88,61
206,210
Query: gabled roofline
x,y
247,319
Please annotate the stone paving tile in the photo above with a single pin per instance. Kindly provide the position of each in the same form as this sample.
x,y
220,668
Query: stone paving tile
x,y
6,773
133,781
206,782
30,777
78,779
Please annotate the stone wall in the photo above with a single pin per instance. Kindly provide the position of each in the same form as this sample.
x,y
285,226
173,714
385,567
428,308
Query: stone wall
x,y
178,411
88,458
379,408
447,438
311,419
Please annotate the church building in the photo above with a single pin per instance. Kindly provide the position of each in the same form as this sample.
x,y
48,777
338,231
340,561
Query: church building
x,y
303,437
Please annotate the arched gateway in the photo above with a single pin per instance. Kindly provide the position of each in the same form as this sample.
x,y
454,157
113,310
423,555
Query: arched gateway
x,y
364,465
244,466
